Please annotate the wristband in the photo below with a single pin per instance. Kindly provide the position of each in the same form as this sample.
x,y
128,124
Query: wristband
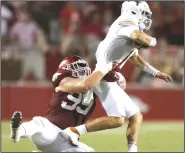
x,y
153,42
103,71
150,69
103,68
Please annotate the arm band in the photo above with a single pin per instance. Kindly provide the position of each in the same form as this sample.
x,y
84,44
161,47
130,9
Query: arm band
x,y
103,68
150,69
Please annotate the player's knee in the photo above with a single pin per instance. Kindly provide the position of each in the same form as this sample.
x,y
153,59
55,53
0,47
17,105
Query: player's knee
x,y
119,121
136,118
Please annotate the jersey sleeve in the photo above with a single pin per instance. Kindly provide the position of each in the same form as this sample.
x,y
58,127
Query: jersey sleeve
x,y
126,29
57,77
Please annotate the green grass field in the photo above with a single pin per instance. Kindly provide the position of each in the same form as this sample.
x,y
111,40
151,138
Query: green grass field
x,y
155,137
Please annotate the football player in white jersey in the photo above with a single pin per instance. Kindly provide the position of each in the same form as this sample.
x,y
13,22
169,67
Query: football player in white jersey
x,y
121,44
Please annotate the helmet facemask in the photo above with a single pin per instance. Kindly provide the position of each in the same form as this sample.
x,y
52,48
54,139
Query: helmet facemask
x,y
80,69
146,19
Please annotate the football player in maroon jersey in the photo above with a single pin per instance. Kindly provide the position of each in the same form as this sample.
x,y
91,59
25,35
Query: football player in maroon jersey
x,y
72,103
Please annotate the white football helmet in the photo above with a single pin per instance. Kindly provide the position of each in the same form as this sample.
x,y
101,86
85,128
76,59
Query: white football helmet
x,y
146,13
130,11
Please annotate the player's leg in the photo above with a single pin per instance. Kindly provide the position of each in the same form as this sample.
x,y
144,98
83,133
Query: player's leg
x,y
39,130
116,107
103,123
110,97
133,131
98,124
114,110
38,125
80,148
21,130
61,142
134,120
53,139
132,112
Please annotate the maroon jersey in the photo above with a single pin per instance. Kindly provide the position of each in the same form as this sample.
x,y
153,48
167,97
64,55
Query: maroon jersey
x,y
66,109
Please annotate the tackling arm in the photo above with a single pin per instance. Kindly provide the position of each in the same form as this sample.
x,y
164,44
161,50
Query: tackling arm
x,y
77,85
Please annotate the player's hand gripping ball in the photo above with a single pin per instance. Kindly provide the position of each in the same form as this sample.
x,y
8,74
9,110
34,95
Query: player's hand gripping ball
x,y
114,76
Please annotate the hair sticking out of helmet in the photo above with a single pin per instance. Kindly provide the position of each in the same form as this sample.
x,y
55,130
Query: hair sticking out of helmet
x,y
146,13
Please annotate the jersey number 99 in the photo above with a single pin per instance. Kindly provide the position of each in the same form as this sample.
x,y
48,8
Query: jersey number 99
x,y
86,100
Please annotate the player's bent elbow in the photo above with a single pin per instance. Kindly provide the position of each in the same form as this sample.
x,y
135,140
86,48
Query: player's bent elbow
x,y
136,35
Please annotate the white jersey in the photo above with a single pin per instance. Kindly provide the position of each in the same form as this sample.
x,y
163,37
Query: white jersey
x,y
117,45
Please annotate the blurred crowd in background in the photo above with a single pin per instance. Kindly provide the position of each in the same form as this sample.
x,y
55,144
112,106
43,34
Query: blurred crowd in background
x,y
37,35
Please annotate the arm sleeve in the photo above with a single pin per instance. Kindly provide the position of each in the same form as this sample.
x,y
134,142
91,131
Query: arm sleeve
x,y
58,77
